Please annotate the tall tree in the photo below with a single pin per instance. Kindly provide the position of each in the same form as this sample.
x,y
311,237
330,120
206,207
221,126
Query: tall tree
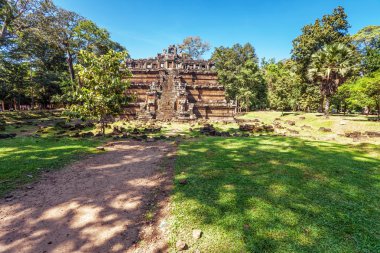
x,y
56,26
92,38
238,71
194,47
283,85
330,67
364,92
367,41
102,93
11,14
332,28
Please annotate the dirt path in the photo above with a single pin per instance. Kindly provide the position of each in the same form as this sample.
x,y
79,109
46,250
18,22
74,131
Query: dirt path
x,y
101,204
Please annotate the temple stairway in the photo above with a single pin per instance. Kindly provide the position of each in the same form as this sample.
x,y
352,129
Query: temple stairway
x,y
166,104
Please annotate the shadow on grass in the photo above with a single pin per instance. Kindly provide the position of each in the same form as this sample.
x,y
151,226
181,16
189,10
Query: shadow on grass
x,y
95,205
273,194
21,159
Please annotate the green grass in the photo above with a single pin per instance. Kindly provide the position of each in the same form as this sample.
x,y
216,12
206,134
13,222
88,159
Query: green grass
x,y
23,156
338,123
277,194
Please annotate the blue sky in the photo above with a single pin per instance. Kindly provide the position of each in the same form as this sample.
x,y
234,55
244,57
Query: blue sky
x,y
145,27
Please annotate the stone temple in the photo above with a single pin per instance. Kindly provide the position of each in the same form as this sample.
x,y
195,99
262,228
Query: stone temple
x,y
172,86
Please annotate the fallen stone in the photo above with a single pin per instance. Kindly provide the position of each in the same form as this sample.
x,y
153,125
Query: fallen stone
x,y
62,124
293,131
197,233
150,139
290,122
247,127
208,129
76,135
372,134
7,136
354,134
225,134
302,118
181,245
324,129
87,135
101,148
89,124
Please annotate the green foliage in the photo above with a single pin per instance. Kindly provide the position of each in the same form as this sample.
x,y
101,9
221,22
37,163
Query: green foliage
x,y
330,29
330,67
92,38
13,14
39,44
101,92
283,86
368,43
272,194
364,92
238,71
367,34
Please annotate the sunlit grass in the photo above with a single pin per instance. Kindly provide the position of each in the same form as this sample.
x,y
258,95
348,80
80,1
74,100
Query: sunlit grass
x,y
338,123
25,156
274,194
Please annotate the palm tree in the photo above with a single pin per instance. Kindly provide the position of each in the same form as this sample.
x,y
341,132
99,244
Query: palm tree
x,y
330,67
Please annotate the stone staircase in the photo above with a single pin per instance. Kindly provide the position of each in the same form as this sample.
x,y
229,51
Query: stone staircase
x,y
168,98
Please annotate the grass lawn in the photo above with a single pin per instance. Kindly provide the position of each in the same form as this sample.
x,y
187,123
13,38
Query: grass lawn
x,y
23,156
277,194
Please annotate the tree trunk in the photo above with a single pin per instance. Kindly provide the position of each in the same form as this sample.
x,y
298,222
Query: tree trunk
x,y
103,128
32,90
14,103
344,109
320,109
19,102
2,105
327,106
70,65
32,104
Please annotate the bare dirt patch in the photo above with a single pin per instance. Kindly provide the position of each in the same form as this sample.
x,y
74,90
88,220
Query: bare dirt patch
x,y
116,201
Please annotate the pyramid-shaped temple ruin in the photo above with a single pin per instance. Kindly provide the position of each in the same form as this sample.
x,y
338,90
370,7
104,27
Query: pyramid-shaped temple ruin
x,y
172,86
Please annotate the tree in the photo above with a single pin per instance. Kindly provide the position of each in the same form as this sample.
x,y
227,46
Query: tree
x,y
367,35
194,47
92,38
12,12
330,67
239,73
70,33
56,26
367,41
332,28
102,93
283,85
364,92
